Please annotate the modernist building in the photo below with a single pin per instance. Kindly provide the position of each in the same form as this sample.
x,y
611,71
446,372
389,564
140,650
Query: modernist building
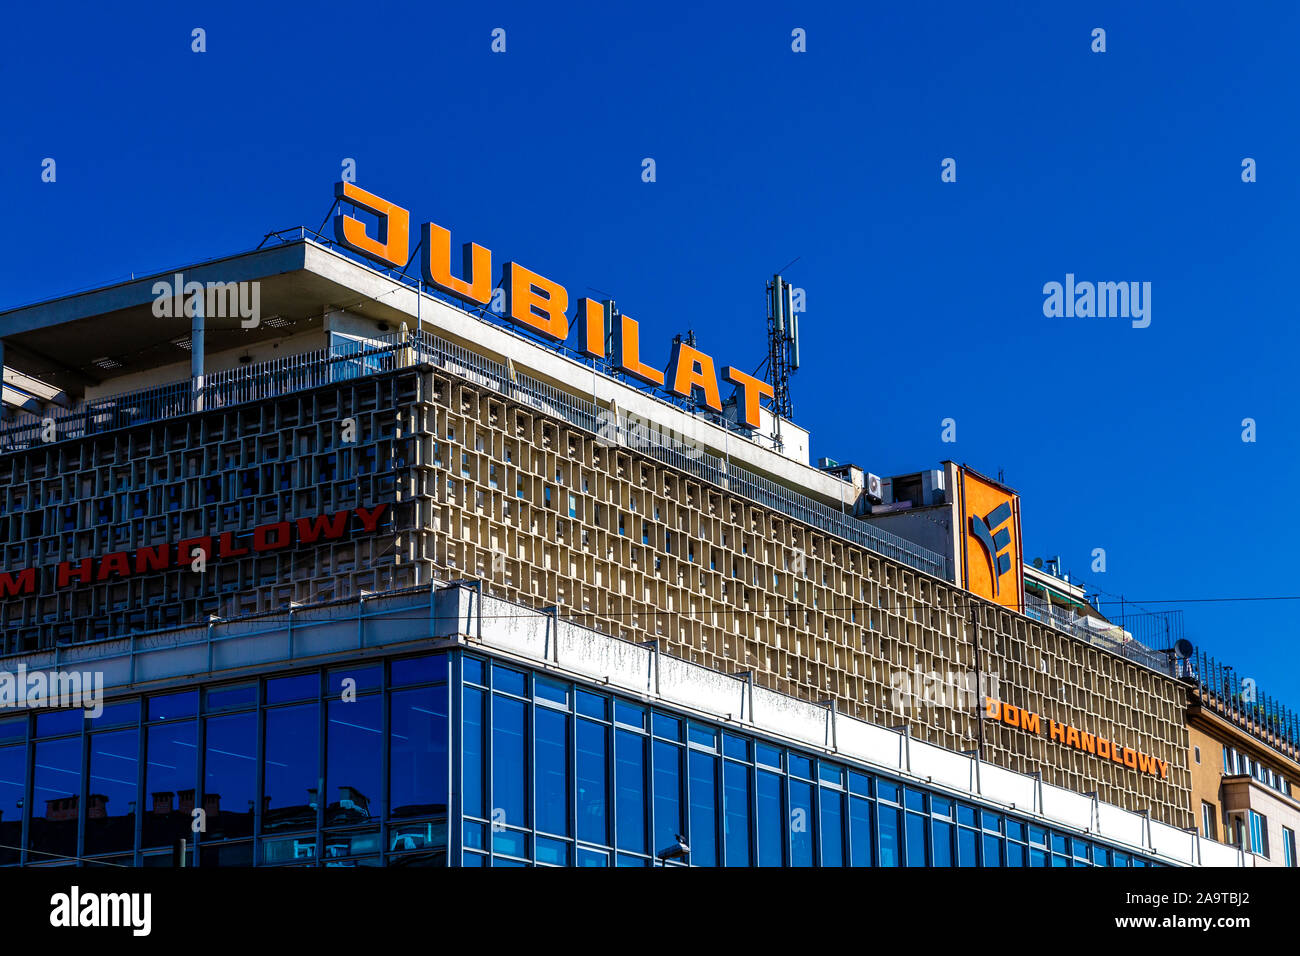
x,y
673,624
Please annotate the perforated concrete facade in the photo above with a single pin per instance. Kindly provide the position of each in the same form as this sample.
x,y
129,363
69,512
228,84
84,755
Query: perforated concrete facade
x,y
548,514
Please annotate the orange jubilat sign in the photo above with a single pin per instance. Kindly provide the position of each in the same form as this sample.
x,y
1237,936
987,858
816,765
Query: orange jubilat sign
x,y
1098,746
541,305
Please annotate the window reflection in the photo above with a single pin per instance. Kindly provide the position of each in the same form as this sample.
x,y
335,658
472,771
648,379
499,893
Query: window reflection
x,y
354,763
291,768
170,782
56,798
552,745
629,753
111,803
592,761
13,774
509,762
418,768
704,809
230,779
771,820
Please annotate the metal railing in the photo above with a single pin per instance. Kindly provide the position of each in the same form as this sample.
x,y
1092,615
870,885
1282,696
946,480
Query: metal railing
x,y
1130,649
1239,699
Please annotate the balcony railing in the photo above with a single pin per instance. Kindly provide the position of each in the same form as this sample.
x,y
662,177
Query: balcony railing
x,y
1238,699
1130,649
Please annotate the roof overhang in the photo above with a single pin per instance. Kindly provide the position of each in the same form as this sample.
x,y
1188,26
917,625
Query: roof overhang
x,y
62,345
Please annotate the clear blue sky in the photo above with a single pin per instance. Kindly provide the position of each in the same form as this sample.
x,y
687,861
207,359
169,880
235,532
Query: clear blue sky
x,y
924,298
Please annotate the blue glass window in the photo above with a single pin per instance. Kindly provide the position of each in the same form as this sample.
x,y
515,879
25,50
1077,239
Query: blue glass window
x,y
916,842
285,689
509,762
668,795
767,756
513,842
418,758
832,820
171,780
629,754
551,690
704,809
13,773
126,712
801,766
430,670
172,706
667,727
472,747
230,698
471,671
1015,853
889,855
992,850
860,832
59,722
735,747
703,736
967,851
291,769
593,705
230,775
771,820
354,760
736,798
353,680
942,843
801,821
630,714
552,852
56,795
508,681
593,825
552,746
114,763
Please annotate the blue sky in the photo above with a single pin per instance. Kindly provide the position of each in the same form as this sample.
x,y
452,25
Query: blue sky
x,y
924,298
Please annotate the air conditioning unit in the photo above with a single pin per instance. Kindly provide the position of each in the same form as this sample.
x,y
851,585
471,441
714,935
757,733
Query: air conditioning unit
x,y
872,488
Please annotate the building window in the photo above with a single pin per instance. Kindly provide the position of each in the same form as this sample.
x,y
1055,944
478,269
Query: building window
x,y
290,768
1288,847
1209,822
1258,833
1197,751
629,757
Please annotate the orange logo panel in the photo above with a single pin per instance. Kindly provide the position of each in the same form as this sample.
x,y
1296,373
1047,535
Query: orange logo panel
x,y
991,547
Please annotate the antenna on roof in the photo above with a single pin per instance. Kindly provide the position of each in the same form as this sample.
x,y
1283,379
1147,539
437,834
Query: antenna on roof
x,y
782,344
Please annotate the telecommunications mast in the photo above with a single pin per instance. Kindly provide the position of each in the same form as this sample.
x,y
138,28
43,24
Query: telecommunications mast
x,y
782,345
